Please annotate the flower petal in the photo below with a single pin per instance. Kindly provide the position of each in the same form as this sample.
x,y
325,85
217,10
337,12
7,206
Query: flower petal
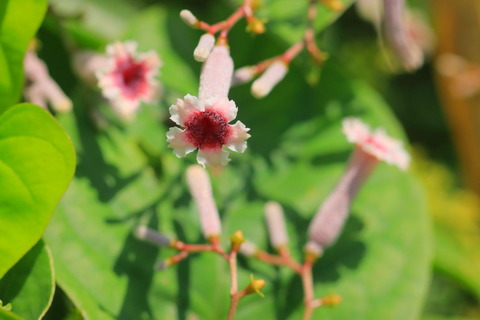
x,y
223,106
239,134
212,157
177,141
355,130
181,111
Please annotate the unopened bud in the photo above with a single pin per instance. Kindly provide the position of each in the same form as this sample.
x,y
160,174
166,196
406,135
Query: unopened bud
x,y
331,300
276,225
243,75
201,190
248,249
152,236
255,286
204,47
312,251
237,240
256,26
188,17
269,79
334,5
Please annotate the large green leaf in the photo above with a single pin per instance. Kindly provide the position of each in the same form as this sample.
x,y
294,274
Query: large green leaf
x,y
36,164
19,20
30,284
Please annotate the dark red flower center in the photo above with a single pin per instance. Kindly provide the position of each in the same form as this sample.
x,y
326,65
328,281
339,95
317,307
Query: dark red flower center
x,y
207,130
131,77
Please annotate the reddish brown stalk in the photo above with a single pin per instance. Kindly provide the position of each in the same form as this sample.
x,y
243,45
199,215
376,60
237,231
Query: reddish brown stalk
x,y
279,260
307,281
232,262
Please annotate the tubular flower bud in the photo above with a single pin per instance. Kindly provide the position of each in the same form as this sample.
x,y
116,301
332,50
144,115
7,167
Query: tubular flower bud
x,y
276,225
152,236
371,147
128,78
42,89
188,17
243,75
248,249
403,45
269,79
201,190
216,75
205,45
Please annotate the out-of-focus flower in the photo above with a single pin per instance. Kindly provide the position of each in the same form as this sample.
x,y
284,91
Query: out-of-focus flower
x,y
205,127
128,78
41,89
371,147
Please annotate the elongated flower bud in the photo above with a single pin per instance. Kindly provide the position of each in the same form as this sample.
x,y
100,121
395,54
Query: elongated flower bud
x,y
201,190
188,17
216,75
243,75
269,79
152,236
248,249
276,225
407,51
204,47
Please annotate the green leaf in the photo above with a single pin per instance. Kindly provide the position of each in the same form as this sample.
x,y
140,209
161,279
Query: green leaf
x,y
36,164
288,20
30,284
19,20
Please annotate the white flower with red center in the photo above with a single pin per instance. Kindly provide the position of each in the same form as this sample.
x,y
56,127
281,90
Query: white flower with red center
x,y
205,126
129,78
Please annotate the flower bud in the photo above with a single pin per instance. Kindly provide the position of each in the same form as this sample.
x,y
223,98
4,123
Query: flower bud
x,y
248,249
237,240
188,17
331,300
269,79
152,236
243,75
205,45
276,225
201,190
256,26
255,286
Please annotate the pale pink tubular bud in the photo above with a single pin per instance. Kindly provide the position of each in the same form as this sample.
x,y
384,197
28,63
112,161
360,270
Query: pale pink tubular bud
x,y
269,79
403,46
216,75
243,75
201,190
152,236
204,47
276,224
42,87
188,17
248,249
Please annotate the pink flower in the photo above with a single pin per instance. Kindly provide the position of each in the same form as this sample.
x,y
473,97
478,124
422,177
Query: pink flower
x,y
128,78
371,147
204,121
205,126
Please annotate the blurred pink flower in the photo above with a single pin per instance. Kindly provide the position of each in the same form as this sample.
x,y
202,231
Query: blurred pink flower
x,y
371,147
128,78
205,127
